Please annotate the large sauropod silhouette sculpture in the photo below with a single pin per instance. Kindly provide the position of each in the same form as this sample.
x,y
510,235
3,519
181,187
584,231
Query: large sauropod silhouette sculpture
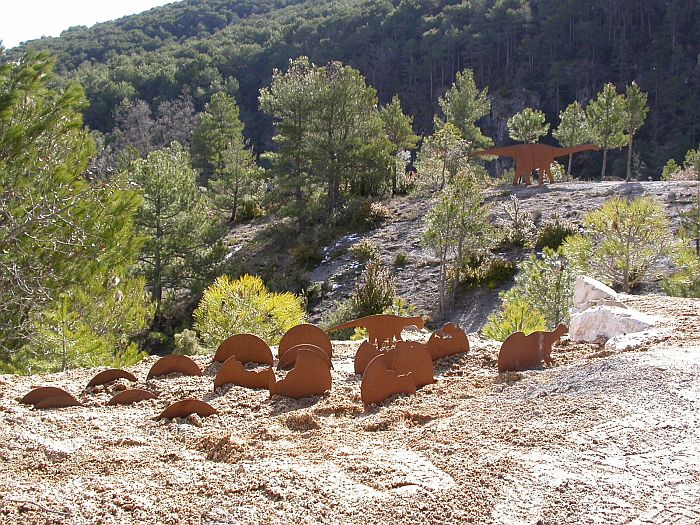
x,y
529,157
520,351
382,329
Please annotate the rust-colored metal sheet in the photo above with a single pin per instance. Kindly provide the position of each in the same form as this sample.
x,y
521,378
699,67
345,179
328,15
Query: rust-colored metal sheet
x,y
309,377
50,397
289,358
364,355
109,375
186,407
531,157
234,372
172,363
382,329
410,356
131,395
449,340
379,383
305,334
520,351
246,348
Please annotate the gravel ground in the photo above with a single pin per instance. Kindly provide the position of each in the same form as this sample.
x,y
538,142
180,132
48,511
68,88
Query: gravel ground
x,y
601,437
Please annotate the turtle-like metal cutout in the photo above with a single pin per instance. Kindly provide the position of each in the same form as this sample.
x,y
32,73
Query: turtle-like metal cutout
x,y
382,329
409,356
520,351
50,397
109,375
174,363
379,383
449,340
310,376
364,355
289,358
131,395
233,371
186,407
246,348
305,334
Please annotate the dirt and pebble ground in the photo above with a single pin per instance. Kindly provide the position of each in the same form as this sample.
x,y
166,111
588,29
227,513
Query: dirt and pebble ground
x,y
601,437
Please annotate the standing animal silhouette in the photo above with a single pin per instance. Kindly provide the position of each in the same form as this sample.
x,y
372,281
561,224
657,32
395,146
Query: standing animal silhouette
x,y
382,329
520,351
530,157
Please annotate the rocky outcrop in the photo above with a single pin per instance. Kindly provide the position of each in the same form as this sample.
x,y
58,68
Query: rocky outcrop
x,y
605,322
590,292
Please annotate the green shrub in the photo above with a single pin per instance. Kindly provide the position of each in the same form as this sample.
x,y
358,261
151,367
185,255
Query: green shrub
x,y
375,292
187,343
401,259
516,316
370,214
365,250
553,233
307,254
245,305
489,272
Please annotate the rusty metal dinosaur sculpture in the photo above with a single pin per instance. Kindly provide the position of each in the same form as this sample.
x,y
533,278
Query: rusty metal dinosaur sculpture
x,y
530,157
520,351
382,329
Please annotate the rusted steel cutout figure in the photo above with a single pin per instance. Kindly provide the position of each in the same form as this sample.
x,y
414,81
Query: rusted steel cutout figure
x,y
520,351
449,340
109,375
234,372
379,382
187,407
531,157
50,397
246,348
289,358
409,356
364,355
311,376
382,329
305,334
130,396
173,363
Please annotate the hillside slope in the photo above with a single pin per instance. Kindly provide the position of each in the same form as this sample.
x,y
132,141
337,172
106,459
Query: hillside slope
x,y
600,437
417,281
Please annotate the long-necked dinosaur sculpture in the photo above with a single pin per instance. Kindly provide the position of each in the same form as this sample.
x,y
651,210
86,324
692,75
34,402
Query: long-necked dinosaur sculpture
x,y
529,157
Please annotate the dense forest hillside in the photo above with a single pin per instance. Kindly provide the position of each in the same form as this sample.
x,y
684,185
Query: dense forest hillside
x,y
539,53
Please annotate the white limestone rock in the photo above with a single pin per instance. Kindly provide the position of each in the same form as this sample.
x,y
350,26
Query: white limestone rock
x,y
605,322
590,292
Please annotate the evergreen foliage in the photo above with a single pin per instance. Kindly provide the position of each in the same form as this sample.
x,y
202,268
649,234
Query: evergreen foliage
x,y
606,118
573,130
635,114
245,305
528,126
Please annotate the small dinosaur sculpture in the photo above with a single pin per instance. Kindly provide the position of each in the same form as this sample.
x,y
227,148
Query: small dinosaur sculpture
x,y
520,351
382,329
530,157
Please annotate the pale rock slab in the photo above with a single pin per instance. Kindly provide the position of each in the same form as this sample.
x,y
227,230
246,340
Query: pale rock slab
x,y
605,322
590,292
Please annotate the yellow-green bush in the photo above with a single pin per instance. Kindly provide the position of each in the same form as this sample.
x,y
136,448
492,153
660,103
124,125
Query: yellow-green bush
x,y
245,306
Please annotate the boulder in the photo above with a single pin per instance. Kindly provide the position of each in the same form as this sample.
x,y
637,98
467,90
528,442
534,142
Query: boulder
x,y
589,292
605,322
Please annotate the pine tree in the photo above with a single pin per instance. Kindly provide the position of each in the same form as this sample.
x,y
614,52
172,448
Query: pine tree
x,y
636,109
573,130
527,126
399,130
463,105
606,117
182,246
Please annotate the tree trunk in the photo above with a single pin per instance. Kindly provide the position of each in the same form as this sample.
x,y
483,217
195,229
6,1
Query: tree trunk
x,y
629,160
605,162
394,176
235,205
568,168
